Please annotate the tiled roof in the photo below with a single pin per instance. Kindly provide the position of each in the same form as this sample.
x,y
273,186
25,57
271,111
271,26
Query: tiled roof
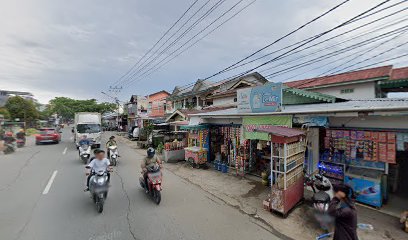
x,y
360,75
399,73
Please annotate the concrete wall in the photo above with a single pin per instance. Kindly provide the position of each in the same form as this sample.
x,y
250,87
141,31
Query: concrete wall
x,y
395,122
223,101
361,91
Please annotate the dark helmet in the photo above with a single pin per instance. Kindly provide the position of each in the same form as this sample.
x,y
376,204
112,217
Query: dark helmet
x,y
112,137
150,152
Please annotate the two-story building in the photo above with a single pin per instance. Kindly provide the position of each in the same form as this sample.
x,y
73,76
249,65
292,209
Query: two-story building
x,y
136,108
362,84
158,106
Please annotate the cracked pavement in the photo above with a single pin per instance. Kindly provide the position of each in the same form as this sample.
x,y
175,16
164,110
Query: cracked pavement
x,y
66,212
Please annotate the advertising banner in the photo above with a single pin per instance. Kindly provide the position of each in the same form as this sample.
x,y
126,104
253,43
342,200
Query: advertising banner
x,y
266,98
263,122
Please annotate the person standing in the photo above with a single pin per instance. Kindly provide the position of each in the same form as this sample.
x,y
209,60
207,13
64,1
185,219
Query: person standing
x,y
344,212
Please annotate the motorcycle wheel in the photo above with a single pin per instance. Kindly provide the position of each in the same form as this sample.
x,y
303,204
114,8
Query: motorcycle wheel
x,y
157,197
99,205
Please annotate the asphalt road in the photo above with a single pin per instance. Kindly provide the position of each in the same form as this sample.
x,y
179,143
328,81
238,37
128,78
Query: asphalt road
x,y
28,211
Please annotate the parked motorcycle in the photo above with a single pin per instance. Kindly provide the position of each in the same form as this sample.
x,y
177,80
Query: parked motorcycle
x,y
113,155
84,153
322,195
9,148
98,187
20,142
154,180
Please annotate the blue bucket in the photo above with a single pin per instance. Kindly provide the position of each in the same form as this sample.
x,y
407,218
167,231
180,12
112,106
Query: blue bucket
x,y
224,168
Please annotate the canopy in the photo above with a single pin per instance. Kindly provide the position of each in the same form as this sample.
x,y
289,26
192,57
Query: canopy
x,y
281,131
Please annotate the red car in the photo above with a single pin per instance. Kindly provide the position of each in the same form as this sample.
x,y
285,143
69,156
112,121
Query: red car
x,y
46,135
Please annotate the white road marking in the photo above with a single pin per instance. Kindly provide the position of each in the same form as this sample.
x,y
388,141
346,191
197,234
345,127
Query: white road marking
x,y
65,151
47,188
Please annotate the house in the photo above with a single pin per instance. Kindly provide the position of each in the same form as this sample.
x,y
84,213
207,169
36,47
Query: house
x,y
135,108
158,106
225,95
362,84
204,93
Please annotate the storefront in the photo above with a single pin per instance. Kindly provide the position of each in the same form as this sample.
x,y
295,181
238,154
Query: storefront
x,y
259,142
370,153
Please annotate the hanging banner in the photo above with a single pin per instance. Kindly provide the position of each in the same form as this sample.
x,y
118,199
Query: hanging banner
x,y
315,121
263,122
266,98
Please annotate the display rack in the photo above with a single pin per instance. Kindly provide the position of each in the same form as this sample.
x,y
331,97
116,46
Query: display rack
x,y
287,159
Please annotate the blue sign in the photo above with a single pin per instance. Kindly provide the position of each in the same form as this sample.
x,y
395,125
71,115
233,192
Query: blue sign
x,y
266,98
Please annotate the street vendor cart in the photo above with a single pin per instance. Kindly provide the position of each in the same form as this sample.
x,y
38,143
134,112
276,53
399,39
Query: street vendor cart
x,y
287,159
196,152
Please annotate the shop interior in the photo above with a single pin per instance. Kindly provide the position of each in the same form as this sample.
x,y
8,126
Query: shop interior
x,y
372,161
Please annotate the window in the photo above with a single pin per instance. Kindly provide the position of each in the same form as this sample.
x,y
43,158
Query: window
x,y
347,90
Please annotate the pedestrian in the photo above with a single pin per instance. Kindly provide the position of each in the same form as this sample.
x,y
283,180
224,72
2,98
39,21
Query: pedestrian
x,y
344,212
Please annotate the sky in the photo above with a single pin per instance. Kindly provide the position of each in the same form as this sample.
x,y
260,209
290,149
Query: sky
x,y
80,48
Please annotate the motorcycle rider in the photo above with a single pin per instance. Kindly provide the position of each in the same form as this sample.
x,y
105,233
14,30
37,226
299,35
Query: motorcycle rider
x,y
150,160
97,164
21,134
84,141
110,143
8,138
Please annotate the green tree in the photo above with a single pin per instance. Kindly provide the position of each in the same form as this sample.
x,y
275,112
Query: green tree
x,y
67,107
23,109
5,113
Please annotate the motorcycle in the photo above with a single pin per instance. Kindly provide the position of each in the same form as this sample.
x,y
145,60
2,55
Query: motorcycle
x,y
9,148
20,142
154,180
98,187
84,153
113,155
322,195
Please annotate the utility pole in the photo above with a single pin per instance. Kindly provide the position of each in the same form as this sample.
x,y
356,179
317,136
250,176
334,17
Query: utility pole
x,y
115,90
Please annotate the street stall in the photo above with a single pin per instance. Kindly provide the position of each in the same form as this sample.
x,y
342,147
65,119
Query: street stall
x,y
361,159
287,159
174,144
226,148
197,148
258,143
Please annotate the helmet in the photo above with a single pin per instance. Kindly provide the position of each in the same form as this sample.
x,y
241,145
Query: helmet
x,y
112,137
9,134
150,152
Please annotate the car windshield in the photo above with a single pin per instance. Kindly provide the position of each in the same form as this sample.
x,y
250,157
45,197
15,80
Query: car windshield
x,y
44,132
88,128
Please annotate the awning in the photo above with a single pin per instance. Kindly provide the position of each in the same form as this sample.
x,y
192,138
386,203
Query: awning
x,y
281,131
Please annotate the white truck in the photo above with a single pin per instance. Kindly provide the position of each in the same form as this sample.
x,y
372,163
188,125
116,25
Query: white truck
x,y
88,124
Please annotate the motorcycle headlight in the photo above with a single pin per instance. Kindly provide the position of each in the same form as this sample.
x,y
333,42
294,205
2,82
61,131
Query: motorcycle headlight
x,y
100,181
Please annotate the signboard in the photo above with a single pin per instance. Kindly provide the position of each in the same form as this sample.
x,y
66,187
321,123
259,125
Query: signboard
x,y
266,98
263,122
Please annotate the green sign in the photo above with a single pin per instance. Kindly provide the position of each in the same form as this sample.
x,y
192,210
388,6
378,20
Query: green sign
x,y
252,123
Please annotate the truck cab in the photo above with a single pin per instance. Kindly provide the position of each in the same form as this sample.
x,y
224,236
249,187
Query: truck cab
x,y
88,124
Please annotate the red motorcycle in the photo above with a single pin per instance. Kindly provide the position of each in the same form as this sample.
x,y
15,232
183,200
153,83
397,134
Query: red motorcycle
x,y
154,180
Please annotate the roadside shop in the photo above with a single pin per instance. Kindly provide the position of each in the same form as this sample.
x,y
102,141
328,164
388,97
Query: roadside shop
x,y
198,145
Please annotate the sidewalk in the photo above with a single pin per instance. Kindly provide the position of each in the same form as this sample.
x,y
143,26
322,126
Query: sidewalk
x,y
246,195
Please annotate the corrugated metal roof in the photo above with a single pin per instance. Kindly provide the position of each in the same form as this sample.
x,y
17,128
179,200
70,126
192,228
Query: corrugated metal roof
x,y
309,94
378,104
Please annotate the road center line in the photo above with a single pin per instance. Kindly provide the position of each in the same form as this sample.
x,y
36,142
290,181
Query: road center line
x,y
47,188
65,151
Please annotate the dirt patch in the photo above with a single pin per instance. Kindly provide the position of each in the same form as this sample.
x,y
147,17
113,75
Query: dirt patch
x,y
257,189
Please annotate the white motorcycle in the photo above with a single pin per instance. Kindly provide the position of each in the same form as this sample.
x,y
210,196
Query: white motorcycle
x,y
113,155
84,153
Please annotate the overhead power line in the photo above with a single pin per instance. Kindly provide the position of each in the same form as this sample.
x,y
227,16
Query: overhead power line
x,y
172,54
157,42
175,41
